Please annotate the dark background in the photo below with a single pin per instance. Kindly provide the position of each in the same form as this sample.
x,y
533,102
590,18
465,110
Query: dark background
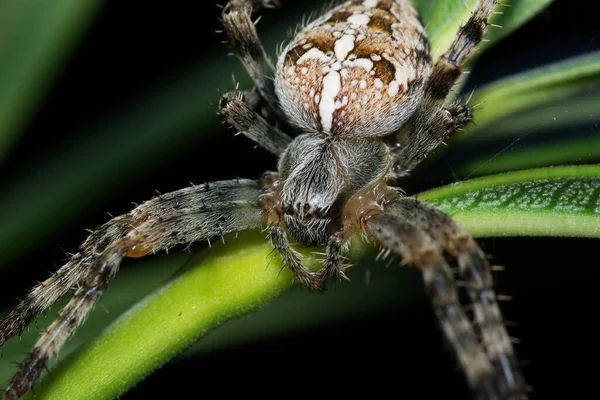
x,y
133,47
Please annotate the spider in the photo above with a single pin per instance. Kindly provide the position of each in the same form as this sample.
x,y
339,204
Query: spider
x,y
366,102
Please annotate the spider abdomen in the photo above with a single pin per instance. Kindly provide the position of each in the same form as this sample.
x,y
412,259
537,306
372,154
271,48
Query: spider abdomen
x,y
357,71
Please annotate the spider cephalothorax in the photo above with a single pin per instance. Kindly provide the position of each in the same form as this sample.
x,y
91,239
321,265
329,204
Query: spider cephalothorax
x,y
365,103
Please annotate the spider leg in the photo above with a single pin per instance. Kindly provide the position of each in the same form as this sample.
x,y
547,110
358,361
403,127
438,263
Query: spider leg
x,y
432,122
237,112
334,253
414,144
399,234
448,67
475,269
334,257
187,215
48,292
241,31
292,260
72,315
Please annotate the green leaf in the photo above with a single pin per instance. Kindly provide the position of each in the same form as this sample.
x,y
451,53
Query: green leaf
x,y
555,201
520,156
535,88
158,124
35,38
234,279
580,109
517,111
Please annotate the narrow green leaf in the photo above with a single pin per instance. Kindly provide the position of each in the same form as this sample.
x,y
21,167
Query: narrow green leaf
x,y
157,125
554,201
581,110
35,38
379,290
522,156
235,279
535,88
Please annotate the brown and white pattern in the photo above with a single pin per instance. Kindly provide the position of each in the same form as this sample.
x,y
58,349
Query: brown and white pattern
x,y
360,59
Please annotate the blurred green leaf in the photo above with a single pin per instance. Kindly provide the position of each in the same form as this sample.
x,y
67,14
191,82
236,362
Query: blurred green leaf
x,y
35,39
521,156
234,279
535,88
154,125
579,110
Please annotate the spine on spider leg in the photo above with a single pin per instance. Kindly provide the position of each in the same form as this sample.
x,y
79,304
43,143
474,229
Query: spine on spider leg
x,y
58,284
104,268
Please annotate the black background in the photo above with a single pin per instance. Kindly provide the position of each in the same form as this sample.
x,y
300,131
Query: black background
x,y
133,46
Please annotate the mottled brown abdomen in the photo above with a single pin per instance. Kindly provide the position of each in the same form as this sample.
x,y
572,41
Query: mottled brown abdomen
x,y
357,71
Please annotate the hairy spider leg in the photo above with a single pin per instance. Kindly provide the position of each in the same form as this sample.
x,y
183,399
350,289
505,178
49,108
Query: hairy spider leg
x,y
89,290
359,208
237,109
181,217
399,234
431,123
242,35
474,268
293,261
43,295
